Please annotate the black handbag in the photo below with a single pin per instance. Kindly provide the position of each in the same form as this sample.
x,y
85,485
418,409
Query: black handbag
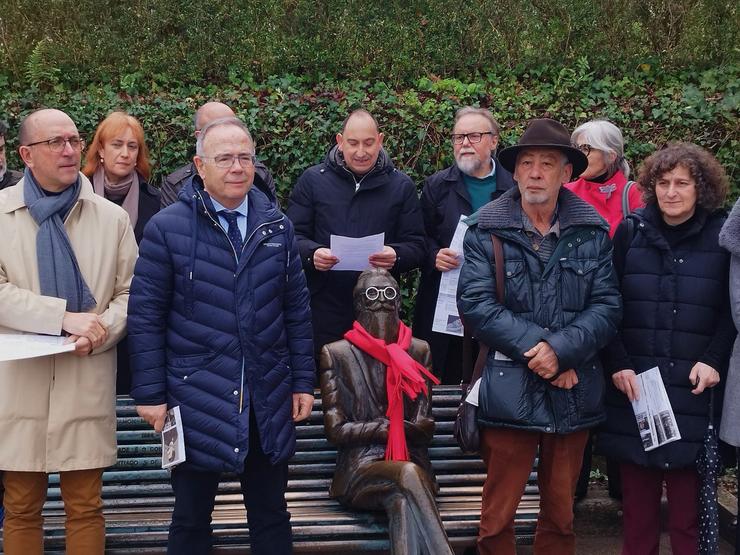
x,y
466,430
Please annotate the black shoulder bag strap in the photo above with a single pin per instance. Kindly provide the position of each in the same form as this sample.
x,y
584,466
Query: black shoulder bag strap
x,y
480,362
626,199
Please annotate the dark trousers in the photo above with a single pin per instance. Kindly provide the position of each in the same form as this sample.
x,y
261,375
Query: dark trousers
x,y
642,489
263,487
612,473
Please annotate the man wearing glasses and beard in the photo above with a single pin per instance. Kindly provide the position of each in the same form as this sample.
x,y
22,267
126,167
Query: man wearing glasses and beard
x,y
475,179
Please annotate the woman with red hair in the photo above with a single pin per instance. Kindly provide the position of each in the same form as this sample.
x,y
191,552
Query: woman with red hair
x,y
118,166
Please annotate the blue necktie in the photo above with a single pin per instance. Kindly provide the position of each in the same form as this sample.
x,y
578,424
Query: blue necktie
x,y
235,236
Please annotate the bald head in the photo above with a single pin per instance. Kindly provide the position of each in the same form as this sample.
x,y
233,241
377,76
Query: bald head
x,y
360,117
34,123
360,142
50,147
211,111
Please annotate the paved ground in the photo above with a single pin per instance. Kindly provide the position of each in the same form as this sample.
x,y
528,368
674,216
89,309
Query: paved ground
x,y
599,526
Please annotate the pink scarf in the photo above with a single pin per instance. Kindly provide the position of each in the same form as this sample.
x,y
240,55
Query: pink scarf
x,y
127,188
403,376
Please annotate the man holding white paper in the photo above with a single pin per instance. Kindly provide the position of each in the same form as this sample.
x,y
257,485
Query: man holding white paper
x,y
475,179
66,261
356,192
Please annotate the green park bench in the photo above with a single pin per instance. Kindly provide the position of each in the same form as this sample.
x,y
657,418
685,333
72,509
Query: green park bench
x,y
138,498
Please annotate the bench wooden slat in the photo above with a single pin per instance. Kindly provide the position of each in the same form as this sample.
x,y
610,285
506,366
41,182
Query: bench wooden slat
x,y
138,498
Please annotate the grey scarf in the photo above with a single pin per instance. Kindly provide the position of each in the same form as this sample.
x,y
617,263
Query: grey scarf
x,y
59,273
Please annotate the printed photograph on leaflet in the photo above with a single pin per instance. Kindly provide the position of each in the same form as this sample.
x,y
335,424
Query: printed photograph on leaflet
x,y
173,440
656,421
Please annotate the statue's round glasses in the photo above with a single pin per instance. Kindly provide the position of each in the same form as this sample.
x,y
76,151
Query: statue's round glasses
x,y
373,293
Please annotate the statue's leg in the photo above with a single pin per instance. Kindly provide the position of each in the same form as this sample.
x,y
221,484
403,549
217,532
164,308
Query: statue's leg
x,y
403,491
418,495
402,527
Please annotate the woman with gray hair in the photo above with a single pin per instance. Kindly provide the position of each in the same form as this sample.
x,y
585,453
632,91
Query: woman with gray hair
x,y
605,183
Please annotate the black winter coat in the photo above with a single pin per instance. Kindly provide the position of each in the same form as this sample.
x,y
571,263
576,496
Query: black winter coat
x,y
572,303
148,206
324,202
444,199
676,312
10,178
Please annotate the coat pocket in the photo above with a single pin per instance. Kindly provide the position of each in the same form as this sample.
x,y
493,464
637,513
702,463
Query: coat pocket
x,y
518,287
505,392
589,391
576,277
182,367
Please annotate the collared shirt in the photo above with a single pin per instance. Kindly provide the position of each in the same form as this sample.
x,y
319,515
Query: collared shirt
x,y
240,210
544,245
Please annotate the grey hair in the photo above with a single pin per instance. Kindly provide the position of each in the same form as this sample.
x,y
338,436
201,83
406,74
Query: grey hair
x,y
605,136
235,122
472,110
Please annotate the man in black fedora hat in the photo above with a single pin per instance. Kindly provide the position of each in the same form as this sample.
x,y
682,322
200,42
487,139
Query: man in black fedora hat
x,y
542,385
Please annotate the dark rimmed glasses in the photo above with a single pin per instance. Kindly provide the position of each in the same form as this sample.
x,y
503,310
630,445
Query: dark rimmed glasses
x,y
459,138
374,293
57,144
585,148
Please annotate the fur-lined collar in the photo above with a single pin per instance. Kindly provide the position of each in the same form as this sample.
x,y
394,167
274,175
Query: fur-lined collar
x,y
505,212
729,237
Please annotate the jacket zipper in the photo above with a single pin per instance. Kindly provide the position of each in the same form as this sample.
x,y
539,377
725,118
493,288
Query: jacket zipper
x,y
244,244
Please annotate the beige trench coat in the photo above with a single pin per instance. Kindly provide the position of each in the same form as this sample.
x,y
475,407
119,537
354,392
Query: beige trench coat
x,y
58,412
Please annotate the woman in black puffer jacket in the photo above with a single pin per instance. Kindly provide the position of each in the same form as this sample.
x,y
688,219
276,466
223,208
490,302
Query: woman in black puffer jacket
x,y
674,283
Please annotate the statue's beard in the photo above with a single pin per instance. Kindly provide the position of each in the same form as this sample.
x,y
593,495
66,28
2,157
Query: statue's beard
x,y
381,322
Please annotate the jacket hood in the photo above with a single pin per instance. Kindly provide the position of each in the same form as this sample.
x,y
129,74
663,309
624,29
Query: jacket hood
x,y
505,212
729,237
335,160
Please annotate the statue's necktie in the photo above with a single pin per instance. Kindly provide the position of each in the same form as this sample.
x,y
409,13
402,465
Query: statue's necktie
x,y
235,236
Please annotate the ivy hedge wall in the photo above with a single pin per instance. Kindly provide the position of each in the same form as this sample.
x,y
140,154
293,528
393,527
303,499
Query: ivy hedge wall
x,y
294,120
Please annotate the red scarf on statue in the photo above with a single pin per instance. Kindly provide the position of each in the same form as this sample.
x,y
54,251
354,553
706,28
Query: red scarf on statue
x,y
403,376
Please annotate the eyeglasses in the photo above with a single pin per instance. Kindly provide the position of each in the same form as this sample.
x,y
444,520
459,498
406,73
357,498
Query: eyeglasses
x,y
459,138
57,144
585,148
373,293
224,161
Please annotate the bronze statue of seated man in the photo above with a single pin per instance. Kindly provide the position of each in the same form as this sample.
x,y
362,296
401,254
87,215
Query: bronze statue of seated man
x,y
373,473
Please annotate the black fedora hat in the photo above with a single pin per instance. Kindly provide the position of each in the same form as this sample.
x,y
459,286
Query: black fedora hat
x,y
545,133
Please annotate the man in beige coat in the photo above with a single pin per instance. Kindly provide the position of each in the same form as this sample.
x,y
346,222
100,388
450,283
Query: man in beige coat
x,y
66,260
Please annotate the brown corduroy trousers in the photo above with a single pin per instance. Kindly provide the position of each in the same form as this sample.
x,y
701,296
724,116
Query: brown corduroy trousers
x,y
509,456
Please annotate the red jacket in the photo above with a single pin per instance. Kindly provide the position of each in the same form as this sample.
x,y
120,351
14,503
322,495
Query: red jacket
x,y
606,197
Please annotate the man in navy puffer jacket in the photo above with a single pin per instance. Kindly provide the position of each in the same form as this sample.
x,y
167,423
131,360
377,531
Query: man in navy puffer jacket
x,y
219,325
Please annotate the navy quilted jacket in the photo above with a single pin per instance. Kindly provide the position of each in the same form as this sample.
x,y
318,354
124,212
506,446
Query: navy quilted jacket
x,y
216,337
676,312
572,303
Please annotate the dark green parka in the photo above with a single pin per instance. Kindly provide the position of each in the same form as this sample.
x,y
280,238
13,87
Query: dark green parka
x,y
572,303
